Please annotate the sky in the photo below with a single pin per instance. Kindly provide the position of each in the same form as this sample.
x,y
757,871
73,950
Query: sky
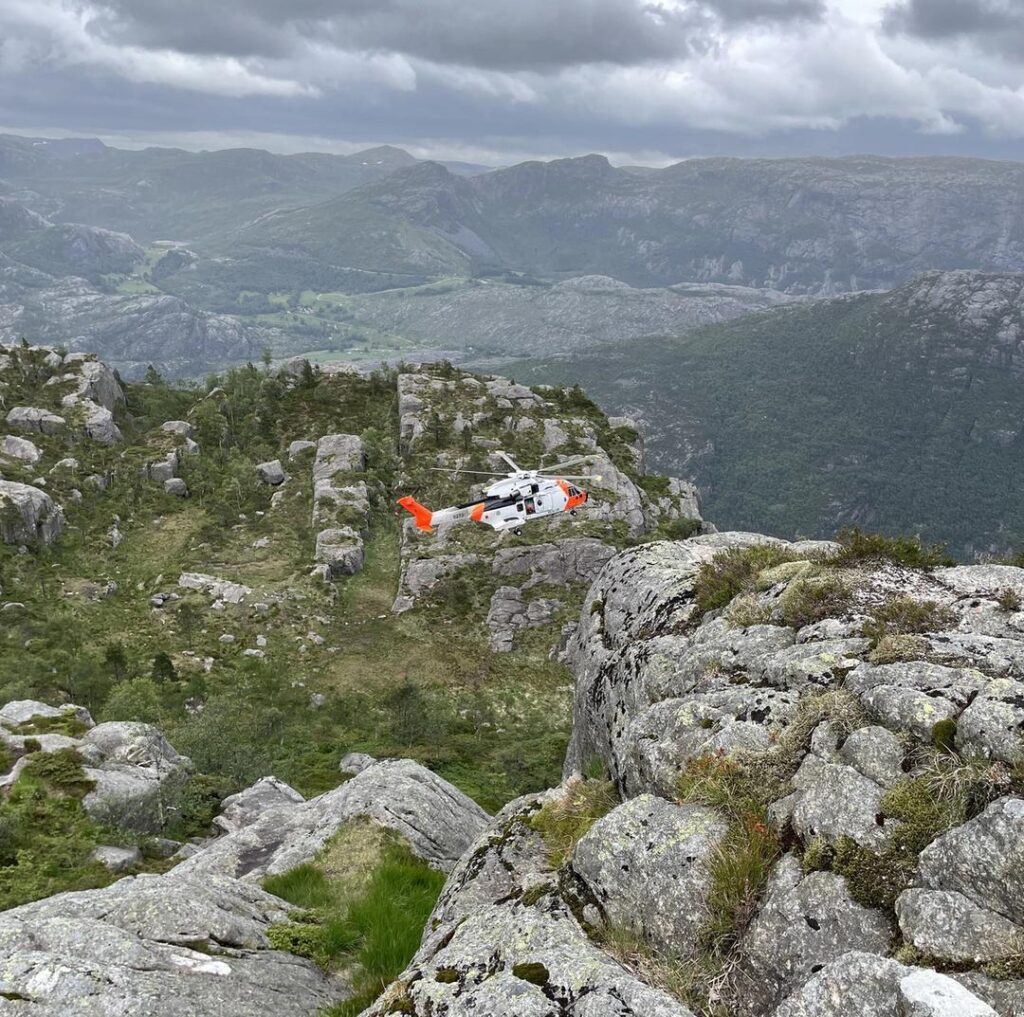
x,y
641,81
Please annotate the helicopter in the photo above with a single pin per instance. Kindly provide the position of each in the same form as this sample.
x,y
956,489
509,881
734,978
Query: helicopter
x,y
519,497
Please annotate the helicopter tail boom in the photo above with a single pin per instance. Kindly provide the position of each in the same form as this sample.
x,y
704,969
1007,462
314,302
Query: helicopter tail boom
x,y
420,513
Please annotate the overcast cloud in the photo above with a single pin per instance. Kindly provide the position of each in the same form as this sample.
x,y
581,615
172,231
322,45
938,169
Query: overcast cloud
x,y
643,80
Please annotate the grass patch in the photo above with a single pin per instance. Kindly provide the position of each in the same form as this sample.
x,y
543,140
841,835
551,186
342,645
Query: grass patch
x,y
563,821
811,599
46,836
364,903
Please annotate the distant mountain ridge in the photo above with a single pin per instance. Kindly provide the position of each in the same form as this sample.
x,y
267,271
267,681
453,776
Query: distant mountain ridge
x,y
810,226
899,411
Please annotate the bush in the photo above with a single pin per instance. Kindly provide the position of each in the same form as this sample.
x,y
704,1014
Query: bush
x,y
905,616
859,546
810,599
731,573
564,820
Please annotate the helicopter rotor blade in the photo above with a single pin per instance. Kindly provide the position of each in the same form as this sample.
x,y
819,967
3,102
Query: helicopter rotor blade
x,y
573,461
578,476
508,459
477,473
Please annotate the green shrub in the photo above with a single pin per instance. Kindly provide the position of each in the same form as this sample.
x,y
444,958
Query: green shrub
x,y
810,599
905,616
564,820
858,546
1009,601
731,573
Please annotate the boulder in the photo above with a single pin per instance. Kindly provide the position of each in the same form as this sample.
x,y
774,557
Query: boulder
x,y
864,985
804,923
577,560
983,859
21,711
876,753
338,453
949,926
833,801
159,946
245,807
220,589
117,859
436,820
28,515
340,550
648,866
32,419
99,384
509,612
992,727
179,427
272,472
21,449
298,448
355,762
137,774
176,487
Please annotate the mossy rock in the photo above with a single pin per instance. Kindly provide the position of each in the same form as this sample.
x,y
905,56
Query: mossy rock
x,y
533,972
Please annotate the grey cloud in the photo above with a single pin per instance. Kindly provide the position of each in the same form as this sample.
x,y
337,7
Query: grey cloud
x,y
485,34
996,26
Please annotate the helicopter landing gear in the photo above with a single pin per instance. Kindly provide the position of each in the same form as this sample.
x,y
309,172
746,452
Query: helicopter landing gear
x,y
518,531
572,512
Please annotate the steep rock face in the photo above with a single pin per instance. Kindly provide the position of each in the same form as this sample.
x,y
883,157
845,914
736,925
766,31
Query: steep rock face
x,y
503,941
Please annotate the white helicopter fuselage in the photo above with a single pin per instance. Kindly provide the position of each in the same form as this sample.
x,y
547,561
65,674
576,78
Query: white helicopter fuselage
x,y
507,504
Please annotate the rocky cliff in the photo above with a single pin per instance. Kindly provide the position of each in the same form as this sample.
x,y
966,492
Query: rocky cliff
x,y
794,783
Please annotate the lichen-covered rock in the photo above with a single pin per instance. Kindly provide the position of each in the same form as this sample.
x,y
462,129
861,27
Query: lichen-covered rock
x,y
510,611
159,946
804,923
576,560
436,820
176,487
340,550
949,926
648,866
22,711
28,515
992,726
338,453
876,753
503,943
983,859
865,985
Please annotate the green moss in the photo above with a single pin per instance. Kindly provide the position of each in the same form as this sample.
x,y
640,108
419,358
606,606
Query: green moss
x,y
66,724
565,819
446,976
533,972
944,735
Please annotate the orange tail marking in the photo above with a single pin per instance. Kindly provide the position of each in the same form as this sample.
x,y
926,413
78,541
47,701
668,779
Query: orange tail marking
x,y
420,513
476,513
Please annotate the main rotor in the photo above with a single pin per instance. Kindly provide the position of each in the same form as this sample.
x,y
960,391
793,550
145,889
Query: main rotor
x,y
517,472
